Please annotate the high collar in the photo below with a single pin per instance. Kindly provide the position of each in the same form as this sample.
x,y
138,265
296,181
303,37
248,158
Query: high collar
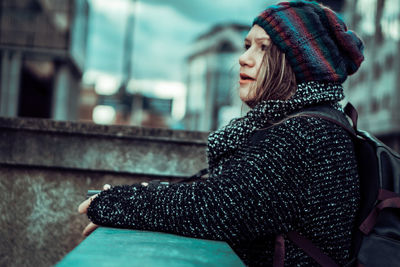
x,y
226,140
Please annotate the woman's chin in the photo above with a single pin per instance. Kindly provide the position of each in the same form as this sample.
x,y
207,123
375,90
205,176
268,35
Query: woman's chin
x,y
244,92
244,98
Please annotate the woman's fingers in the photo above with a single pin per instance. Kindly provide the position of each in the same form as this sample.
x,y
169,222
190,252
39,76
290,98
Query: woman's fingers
x,y
83,207
89,229
85,204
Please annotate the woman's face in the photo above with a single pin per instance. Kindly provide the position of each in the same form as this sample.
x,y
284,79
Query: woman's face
x,y
256,44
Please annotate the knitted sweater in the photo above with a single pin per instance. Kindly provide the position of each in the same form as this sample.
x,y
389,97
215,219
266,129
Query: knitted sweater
x,y
297,175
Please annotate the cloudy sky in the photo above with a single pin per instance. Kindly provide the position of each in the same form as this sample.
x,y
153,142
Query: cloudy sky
x,y
163,33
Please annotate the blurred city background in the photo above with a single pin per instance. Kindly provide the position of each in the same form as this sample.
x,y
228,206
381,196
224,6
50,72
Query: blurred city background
x,y
163,64
168,63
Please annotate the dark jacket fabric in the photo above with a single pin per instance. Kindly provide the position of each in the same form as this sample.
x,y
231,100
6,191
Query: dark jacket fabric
x,y
299,174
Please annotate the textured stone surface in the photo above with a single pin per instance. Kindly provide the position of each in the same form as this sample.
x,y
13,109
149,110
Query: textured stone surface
x,y
122,247
84,146
46,168
39,222
103,130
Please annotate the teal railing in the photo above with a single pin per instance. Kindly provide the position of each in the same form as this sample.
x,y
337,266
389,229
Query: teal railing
x,y
123,247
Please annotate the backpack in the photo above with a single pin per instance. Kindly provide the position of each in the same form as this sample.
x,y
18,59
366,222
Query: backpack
x,y
376,241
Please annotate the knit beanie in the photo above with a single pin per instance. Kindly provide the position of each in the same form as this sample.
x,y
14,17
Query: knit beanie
x,y
315,40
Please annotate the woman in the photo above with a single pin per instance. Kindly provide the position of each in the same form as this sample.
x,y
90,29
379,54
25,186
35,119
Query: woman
x,y
270,172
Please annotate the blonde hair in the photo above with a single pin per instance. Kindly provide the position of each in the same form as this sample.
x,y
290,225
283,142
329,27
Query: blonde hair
x,y
275,79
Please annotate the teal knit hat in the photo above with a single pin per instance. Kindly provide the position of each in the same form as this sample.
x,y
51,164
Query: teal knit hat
x,y
316,41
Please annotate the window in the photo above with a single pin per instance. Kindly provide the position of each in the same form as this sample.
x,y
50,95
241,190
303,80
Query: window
x,y
374,105
377,71
366,9
390,21
386,102
389,61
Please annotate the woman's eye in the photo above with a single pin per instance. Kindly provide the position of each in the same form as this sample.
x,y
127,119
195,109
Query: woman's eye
x,y
246,46
263,47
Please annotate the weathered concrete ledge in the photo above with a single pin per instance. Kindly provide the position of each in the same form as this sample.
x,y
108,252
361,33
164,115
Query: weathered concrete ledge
x,y
46,168
91,147
122,247
84,128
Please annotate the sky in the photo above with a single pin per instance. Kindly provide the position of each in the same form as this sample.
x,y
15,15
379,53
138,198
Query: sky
x,y
162,35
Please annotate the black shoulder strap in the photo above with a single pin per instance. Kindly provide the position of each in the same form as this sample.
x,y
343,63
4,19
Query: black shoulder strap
x,y
333,115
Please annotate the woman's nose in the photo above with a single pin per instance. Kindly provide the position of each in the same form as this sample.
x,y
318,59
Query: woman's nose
x,y
246,59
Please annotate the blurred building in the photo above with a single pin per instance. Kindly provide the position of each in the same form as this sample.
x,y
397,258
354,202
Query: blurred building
x,y
212,97
157,103
149,103
88,100
42,51
375,88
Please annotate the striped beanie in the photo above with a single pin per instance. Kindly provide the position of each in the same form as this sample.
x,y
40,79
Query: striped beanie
x,y
314,39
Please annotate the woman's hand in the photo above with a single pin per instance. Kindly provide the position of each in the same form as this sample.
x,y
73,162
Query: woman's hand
x,y
83,207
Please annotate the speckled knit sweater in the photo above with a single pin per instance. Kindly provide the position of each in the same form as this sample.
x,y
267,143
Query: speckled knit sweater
x,y
297,175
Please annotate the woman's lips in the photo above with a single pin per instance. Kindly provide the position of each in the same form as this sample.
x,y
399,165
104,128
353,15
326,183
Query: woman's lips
x,y
244,78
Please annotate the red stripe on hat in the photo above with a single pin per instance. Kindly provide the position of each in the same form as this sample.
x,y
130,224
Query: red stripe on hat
x,y
276,26
313,43
354,52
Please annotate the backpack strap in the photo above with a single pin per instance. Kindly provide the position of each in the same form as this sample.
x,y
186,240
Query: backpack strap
x,y
312,250
337,117
306,245
388,200
279,253
351,111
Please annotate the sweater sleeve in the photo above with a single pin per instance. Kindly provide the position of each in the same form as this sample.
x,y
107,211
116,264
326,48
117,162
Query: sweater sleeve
x,y
258,194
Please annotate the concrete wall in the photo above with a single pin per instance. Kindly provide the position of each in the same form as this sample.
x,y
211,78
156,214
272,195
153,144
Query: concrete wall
x,y
46,167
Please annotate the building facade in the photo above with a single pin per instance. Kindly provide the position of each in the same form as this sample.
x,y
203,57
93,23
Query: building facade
x,y
42,55
375,88
212,88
